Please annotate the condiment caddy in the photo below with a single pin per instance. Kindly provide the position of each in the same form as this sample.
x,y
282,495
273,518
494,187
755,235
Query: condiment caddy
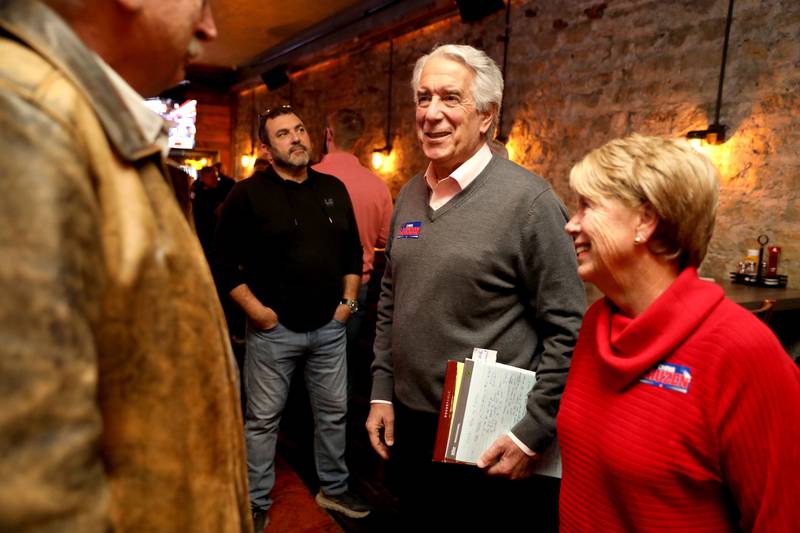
x,y
760,266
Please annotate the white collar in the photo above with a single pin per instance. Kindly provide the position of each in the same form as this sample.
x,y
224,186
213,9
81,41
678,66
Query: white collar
x,y
152,127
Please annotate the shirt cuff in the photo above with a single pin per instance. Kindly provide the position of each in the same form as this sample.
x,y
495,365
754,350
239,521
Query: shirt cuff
x,y
381,401
528,451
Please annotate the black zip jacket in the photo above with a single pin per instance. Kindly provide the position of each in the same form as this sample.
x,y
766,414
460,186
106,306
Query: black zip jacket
x,y
291,243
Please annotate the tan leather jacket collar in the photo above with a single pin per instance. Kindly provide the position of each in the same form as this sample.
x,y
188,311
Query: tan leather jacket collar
x,y
36,25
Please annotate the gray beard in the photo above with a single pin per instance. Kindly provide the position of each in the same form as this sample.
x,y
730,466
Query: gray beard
x,y
289,165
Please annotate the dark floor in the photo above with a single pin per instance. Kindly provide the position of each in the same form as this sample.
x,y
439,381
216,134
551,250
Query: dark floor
x,y
296,437
294,509
366,468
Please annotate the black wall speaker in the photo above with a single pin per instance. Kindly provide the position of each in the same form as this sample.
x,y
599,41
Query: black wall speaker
x,y
474,10
275,78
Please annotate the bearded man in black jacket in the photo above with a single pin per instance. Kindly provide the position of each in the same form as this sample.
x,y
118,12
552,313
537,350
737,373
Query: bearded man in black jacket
x,y
288,253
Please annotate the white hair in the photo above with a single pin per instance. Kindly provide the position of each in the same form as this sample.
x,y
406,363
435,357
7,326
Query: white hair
x,y
487,83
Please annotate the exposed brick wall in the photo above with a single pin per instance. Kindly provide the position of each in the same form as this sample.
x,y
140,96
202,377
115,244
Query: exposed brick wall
x,y
584,72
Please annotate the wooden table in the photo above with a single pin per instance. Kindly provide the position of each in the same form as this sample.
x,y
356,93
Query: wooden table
x,y
786,299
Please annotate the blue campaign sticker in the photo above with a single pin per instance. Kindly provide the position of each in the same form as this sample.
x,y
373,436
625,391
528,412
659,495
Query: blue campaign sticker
x,y
410,230
669,376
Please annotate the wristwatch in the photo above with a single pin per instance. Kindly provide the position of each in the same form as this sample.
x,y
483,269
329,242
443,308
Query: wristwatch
x,y
352,304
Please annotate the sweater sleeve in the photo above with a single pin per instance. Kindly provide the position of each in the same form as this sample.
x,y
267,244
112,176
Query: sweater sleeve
x,y
382,367
557,300
757,421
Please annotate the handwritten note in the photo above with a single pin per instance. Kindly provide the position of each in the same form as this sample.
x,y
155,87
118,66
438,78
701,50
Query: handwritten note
x,y
497,399
498,395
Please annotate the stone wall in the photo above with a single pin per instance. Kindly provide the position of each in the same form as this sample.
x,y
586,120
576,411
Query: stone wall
x,y
583,72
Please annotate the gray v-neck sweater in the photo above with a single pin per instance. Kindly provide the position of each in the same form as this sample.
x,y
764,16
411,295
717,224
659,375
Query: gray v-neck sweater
x,y
493,268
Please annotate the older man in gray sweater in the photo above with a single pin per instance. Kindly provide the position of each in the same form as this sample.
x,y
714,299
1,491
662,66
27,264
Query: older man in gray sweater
x,y
477,257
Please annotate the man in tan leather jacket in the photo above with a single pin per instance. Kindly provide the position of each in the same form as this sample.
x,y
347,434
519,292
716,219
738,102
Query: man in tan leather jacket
x,y
118,395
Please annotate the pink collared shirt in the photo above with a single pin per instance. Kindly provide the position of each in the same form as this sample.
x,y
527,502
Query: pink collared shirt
x,y
446,189
372,203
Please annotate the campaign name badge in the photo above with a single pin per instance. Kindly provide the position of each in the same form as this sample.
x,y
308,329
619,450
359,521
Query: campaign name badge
x,y
410,230
669,376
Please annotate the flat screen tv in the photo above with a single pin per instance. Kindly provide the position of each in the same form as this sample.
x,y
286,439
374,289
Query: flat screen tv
x,y
182,118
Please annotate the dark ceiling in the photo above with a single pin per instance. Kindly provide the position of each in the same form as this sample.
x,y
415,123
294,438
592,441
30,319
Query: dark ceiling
x,y
258,36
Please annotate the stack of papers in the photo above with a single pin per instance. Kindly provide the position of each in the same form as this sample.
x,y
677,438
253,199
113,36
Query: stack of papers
x,y
482,401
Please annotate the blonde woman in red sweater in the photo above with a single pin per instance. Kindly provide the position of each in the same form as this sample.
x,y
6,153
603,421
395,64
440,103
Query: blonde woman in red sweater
x,y
681,410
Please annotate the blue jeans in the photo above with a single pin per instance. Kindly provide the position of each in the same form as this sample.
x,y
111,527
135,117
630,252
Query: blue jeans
x,y
271,358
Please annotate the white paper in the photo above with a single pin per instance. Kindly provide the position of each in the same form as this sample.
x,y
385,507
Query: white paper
x,y
498,396
482,354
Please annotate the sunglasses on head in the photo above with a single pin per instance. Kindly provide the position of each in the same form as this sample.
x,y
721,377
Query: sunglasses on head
x,y
273,112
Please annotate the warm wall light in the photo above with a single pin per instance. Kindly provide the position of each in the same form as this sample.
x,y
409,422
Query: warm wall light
x,y
511,149
378,157
384,160
197,164
248,161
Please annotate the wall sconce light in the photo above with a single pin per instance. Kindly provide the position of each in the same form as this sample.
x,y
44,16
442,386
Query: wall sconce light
x,y
715,133
248,161
197,164
380,155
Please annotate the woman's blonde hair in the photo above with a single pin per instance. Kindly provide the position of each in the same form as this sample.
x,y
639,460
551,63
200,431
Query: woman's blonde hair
x,y
680,184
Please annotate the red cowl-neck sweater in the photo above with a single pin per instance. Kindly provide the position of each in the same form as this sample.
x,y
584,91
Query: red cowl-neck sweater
x,y
685,418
